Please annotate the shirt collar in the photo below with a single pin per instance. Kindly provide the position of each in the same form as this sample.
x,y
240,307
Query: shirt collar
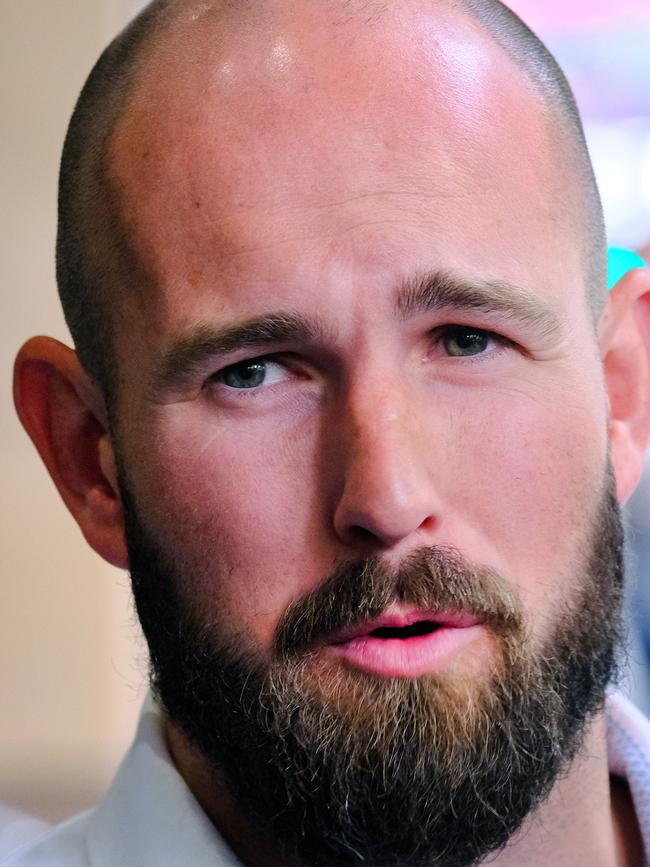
x,y
149,816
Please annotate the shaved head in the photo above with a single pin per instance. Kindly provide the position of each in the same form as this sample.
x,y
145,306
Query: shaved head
x,y
100,260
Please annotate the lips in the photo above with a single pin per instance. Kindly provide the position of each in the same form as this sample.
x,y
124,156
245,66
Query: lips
x,y
406,643
405,624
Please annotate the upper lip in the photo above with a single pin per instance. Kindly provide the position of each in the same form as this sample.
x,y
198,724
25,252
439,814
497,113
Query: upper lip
x,y
400,617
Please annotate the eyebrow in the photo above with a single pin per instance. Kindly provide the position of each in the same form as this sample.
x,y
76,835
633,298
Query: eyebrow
x,y
187,355
420,294
436,290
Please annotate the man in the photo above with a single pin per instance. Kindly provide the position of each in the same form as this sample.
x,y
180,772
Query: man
x,y
350,403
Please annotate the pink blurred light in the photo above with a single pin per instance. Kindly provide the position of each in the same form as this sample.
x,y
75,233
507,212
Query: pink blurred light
x,y
558,15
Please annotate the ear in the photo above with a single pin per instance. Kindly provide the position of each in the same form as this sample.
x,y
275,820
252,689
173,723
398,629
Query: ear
x,y
64,414
624,335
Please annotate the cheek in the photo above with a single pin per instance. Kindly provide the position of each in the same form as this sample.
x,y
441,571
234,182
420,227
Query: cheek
x,y
532,470
241,514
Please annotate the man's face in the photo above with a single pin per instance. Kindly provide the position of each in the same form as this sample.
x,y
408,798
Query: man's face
x,y
421,368
319,195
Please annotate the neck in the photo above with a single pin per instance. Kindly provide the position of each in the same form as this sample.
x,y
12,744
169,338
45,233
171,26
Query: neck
x,y
588,818
252,848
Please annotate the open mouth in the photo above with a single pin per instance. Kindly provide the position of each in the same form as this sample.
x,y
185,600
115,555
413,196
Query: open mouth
x,y
404,624
420,627
405,643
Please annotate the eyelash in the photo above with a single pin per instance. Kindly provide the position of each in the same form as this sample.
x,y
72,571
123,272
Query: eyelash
x,y
438,335
447,331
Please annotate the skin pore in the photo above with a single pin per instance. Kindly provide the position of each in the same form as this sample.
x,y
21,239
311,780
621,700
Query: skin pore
x,y
336,229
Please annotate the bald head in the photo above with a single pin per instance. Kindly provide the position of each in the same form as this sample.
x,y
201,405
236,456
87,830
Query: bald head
x,y
288,87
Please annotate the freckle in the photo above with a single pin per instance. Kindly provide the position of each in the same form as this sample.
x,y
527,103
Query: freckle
x,y
146,154
194,278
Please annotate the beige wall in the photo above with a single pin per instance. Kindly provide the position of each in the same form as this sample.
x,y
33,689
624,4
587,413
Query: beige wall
x,y
71,675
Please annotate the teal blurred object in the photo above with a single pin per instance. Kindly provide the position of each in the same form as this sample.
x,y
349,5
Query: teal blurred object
x,y
619,262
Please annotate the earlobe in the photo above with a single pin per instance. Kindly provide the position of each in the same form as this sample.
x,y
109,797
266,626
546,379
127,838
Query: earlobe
x,y
624,336
63,413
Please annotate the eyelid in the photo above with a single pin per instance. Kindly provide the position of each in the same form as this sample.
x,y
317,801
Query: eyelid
x,y
441,331
214,381
499,344
255,359
258,359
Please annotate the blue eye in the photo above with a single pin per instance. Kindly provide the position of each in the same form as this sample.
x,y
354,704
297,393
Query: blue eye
x,y
245,374
461,342
252,373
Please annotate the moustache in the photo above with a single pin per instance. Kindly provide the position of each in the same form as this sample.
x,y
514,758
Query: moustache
x,y
434,578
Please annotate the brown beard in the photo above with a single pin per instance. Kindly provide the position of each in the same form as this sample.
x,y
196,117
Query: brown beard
x,y
340,767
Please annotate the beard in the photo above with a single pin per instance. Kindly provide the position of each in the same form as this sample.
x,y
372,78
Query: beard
x,y
340,767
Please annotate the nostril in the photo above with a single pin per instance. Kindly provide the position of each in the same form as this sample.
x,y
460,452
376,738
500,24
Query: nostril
x,y
361,534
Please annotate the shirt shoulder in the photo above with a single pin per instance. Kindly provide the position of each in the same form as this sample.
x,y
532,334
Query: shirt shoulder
x,y
628,749
61,846
17,828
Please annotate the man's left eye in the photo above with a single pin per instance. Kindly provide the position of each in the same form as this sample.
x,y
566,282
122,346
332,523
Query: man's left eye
x,y
251,374
461,342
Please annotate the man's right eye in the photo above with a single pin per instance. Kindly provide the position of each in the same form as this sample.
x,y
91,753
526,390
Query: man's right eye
x,y
250,374
246,374
461,342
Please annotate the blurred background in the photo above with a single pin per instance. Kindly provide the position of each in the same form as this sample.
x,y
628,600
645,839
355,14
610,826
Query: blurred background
x,y
72,664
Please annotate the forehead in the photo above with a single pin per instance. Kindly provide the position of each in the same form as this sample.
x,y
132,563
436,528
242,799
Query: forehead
x,y
258,157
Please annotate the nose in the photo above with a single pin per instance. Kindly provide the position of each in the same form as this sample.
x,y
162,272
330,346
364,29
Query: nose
x,y
387,492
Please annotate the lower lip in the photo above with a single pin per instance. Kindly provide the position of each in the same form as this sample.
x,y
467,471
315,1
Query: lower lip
x,y
406,657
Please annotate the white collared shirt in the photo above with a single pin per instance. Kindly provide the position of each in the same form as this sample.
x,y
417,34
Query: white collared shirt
x,y
149,818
